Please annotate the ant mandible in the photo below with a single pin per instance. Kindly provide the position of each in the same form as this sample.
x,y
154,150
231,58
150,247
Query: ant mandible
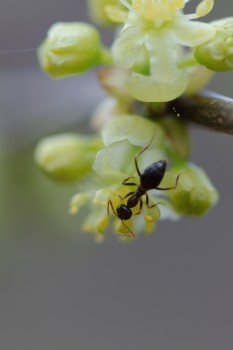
x,y
150,179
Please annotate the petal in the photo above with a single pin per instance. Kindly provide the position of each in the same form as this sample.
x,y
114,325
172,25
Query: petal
x,y
148,89
77,202
135,129
163,54
189,33
129,49
107,164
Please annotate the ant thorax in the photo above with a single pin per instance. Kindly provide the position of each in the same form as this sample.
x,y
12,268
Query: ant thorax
x,y
135,197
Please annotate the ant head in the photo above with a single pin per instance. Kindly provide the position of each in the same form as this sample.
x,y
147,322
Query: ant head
x,y
124,212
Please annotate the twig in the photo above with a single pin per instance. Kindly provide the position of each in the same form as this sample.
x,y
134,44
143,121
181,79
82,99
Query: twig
x,y
207,109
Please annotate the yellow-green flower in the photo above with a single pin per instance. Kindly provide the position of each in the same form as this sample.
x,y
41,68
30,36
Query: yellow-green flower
x,y
194,194
67,157
217,53
113,163
71,48
97,10
150,45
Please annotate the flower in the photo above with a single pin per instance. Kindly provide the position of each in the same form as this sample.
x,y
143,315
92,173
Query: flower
x,y
217,53
113,164
71,48
61,157
195,193
97,10
150,45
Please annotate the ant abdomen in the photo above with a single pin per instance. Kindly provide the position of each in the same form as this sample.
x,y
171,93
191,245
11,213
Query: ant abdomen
x,y
151,177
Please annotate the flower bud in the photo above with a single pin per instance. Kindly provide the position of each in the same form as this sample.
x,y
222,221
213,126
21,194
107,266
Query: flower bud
x,y
67,157
194,193
217,54
97,10
70,48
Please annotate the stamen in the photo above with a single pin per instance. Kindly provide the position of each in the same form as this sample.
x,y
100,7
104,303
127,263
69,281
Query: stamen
x,y
137,5
149,9
115,14
180,4
204,7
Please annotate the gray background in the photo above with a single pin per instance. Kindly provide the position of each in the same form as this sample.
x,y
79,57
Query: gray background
x,y
58,289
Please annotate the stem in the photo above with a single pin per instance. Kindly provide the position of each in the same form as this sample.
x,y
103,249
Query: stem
x,y
187,62
207,109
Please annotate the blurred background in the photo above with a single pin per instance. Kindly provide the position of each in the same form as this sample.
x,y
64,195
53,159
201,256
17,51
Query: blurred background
x,y
60,290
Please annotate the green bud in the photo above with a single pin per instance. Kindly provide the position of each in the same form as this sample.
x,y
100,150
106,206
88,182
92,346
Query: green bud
x,y
217,54
70,48
67,157
194,194
97,10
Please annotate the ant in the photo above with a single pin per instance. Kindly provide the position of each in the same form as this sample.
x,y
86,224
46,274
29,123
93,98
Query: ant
x,y
150,179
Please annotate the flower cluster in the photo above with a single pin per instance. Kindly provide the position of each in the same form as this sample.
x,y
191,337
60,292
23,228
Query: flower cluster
x,y
109,160
159,53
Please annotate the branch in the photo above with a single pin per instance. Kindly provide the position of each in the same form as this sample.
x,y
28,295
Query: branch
x,y
207,109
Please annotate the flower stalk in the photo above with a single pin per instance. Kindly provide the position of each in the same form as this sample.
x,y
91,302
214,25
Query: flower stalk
x,y
208,109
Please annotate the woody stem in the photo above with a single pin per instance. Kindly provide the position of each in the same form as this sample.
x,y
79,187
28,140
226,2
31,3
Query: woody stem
x,y
207,109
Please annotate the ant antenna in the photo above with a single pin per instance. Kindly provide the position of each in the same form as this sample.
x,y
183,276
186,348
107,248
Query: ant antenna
x,y
140,152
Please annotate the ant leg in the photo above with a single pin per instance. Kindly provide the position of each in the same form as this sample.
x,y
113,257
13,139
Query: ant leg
x,y
129,183
131,234
126,196
110,204
140,208
147,202
152,205
169,188
139,153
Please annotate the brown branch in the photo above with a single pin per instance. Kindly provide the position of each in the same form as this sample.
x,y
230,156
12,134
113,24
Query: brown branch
x,y
207,109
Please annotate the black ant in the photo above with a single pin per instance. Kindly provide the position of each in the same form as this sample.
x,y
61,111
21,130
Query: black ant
x,y
150,179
